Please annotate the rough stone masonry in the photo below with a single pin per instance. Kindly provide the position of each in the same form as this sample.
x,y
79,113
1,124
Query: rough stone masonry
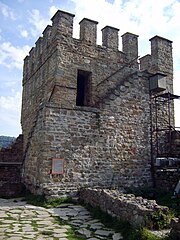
x,y
86,108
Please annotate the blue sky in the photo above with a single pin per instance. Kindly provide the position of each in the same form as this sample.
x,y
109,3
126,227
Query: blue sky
x,y
23,21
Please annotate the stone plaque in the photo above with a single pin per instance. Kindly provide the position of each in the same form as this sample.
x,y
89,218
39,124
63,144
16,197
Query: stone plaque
x,y
57,166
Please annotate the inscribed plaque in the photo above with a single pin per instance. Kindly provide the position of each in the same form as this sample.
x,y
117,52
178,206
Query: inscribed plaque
x,y
57,166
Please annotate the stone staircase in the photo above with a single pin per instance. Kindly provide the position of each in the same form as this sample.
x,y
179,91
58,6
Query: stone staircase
x,y
117,82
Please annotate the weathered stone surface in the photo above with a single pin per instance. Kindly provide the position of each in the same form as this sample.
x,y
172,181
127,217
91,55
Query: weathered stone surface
x,y
92,238
117,236
175,231
11,168
167,179
105,233
88,227
101,132
33,228
96,226
85,232
136,210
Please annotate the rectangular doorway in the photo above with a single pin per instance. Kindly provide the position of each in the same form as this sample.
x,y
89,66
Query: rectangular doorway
x,y
83,97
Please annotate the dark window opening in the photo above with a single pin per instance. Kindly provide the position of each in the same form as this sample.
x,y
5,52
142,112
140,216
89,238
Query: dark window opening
x,y
83,88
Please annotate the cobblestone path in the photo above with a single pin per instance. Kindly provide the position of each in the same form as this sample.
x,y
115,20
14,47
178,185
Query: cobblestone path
x,y
19,220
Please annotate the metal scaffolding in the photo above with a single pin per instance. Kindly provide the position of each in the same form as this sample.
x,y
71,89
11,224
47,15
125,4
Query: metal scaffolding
x,y
162,124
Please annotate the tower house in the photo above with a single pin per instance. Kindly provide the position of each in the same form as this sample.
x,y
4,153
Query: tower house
x,y
86,108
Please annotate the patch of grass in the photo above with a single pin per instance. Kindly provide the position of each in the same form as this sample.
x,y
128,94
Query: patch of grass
x,y
57,202
34,224
158,220
142,234
40,200
71,231
37,200
73,236
161,220
59,221
167,199
47,233
9,218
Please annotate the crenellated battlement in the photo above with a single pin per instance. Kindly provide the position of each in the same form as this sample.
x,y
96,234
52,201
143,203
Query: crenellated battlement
x,y
88,31
50,53
130,45
62,31
47,36
62,22
110,37
39,47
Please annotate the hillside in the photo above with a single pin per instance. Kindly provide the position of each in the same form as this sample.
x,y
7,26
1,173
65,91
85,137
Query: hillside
x,y
5,141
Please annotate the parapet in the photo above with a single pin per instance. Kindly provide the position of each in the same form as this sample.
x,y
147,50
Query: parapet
x,y
88,31
145,62
62,30
161,53
110,37
130,45
46,36
38,50
62,22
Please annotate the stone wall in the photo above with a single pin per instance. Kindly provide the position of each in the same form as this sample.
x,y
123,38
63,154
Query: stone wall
x,y
167,179
175,228
126,207
105,139
100,148
10,169
14,152
10,180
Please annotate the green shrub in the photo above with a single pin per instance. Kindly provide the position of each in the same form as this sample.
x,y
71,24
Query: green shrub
x,y
160,220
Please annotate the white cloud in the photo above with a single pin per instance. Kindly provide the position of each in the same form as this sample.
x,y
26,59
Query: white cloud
x,y
38,22
10,107
99,10
52,10
24,33
12,56
11,102
138,16
7,12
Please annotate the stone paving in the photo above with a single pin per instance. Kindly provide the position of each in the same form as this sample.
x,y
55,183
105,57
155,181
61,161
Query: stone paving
x,y
78,217
19,220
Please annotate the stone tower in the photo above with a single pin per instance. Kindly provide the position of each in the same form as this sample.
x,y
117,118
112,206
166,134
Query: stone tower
x,y
86,108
